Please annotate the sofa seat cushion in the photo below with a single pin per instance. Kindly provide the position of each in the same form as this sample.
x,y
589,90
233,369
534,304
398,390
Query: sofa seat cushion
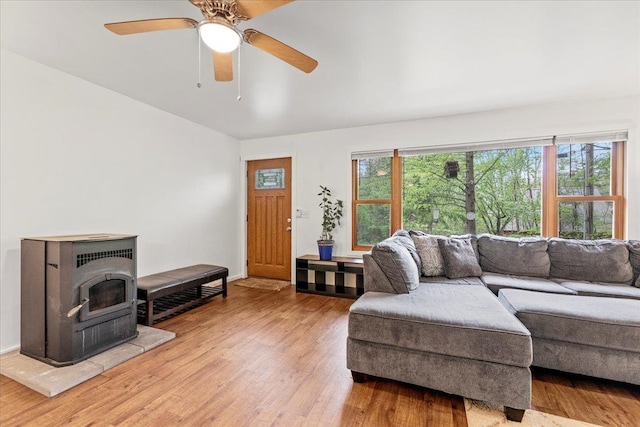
x,y
612,290
444,279
495,282
454,320
612,323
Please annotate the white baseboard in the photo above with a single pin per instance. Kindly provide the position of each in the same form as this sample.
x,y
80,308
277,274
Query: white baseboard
x,y
7,350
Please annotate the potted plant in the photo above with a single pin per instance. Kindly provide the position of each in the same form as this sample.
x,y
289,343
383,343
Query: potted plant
x,y
331,214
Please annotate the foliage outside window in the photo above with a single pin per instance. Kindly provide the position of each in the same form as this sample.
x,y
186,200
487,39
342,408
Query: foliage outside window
x,y
501,188
566,189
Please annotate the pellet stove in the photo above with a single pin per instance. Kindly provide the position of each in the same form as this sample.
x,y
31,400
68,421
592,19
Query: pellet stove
x,y
78,296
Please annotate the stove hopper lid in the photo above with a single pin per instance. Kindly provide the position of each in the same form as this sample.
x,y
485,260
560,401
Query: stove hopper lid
x,y
83,237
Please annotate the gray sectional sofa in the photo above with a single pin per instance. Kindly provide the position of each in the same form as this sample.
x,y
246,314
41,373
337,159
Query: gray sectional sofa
x,y
469,315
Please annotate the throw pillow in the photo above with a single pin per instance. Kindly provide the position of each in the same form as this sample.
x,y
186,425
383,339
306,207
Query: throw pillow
x,y
474,242
396,262
403,237
429,252
459,258
634,259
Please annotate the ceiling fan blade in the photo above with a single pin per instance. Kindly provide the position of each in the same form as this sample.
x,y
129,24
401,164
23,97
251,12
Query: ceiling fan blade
x,y
280,50
253,8
146,25
223,66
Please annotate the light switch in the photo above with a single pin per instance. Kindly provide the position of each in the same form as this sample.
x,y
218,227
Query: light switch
x,y
302,213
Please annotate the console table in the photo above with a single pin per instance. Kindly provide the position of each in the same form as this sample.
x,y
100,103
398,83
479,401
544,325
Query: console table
x,y
340,277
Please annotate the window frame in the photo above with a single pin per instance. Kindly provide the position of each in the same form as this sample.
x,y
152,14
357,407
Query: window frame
x,y
395,202
550,199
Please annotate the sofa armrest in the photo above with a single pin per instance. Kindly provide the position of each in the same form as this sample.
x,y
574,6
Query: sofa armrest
x,y
374,278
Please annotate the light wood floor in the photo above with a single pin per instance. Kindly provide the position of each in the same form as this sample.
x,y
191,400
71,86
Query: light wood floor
x,y
264,358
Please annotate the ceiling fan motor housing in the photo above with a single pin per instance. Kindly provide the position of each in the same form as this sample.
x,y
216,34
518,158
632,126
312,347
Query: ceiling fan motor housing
x,y
228,11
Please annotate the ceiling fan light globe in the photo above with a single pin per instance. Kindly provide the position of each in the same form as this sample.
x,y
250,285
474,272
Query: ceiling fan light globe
x,y
219,37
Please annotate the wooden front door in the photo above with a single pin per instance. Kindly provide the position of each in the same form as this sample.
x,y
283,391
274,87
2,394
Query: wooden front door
x,y
269,218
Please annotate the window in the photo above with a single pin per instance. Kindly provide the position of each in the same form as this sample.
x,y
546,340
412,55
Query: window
x,y
373,197
566,186
584,188
489,191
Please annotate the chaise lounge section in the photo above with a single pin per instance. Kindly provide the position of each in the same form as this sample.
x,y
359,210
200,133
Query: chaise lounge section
x,y
457,339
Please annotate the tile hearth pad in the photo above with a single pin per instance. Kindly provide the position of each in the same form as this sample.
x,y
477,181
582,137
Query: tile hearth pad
x,y
50,381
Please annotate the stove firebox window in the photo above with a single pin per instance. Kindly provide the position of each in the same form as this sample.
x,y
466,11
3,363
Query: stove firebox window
x,y
106,294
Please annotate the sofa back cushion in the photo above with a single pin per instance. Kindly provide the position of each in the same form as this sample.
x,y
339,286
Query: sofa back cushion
x,y
459,258
590,260
396,262
634,258
522,257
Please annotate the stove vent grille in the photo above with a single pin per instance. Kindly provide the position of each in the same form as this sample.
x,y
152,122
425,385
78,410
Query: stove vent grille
x,y
82,259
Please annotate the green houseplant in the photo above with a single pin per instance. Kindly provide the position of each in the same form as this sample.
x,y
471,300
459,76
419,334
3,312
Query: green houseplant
x,y
331,214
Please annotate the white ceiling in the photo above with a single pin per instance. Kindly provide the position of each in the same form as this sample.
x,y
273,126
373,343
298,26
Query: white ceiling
x,y
379,61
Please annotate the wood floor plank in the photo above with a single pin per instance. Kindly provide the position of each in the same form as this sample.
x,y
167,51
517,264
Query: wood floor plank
x,y
410,406
459,413
265,358
439,412
381,411
582,398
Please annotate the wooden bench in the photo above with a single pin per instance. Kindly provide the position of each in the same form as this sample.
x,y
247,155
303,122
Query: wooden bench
x,y
172,286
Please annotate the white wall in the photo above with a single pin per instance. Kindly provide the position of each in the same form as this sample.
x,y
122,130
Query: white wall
x,y
78,158
70,149
324,157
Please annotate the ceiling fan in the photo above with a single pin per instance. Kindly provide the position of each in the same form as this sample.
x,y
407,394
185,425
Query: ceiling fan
x,y
218,30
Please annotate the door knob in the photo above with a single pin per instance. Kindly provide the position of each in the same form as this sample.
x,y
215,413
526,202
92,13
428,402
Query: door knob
x,y
288,229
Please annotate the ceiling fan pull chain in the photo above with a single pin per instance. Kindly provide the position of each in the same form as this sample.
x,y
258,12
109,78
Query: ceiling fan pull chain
x,y
239,96
199,59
